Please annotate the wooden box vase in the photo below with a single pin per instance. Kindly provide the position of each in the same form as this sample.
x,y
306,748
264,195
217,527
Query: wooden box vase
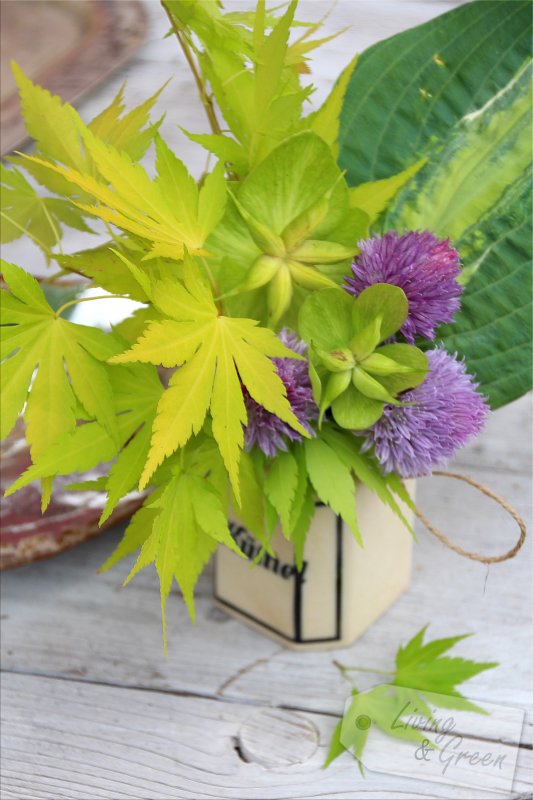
x,y
341,590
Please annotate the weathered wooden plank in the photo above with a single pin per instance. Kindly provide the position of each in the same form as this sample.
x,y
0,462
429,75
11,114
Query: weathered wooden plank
x,y
66,739
61,618
505,442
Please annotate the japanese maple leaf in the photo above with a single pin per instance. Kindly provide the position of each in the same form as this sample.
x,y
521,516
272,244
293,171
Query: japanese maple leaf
x,y
423,678
215,355
63,363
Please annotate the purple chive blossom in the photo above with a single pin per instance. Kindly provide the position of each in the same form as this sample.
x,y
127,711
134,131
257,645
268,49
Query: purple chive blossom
x,y
423,266
411,440
264,429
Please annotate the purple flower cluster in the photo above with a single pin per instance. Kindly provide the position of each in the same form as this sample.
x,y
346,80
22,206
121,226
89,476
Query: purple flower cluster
x,y
266,430
423,266
446,412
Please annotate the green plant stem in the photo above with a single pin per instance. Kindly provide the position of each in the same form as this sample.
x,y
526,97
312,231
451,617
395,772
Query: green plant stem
x,y
51,279
204,97
88,299
24,230
344,669
230,293
214,286
55,231
110,232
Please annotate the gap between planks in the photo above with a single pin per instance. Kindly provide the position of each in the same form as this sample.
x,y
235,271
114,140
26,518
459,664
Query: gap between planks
x,y
158,748
217,697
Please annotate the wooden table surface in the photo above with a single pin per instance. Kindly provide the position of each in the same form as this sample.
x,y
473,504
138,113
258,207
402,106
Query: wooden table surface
x,y
90,706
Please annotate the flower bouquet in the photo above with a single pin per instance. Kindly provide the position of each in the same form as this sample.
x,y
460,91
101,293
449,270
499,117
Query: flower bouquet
x,y
292,358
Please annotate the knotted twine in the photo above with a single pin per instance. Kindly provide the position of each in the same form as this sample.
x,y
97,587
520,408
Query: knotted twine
x,y
488,493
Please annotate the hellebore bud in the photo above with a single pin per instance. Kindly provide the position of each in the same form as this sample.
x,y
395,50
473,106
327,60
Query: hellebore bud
x,y
370,387
279,294
262,272
337,360
337,383
383,365
308,277
314,251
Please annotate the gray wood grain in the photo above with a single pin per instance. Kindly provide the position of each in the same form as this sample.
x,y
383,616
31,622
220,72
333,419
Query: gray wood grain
x,y
61,618
116,743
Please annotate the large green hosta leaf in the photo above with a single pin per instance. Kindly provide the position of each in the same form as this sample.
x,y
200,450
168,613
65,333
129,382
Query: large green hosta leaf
x,y
493,328
468,175
409,91
457,91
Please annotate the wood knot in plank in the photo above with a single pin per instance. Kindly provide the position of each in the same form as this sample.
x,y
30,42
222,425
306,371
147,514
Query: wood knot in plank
x,y
276,738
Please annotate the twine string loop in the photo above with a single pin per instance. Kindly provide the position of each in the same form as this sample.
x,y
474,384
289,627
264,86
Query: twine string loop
x,y
501,502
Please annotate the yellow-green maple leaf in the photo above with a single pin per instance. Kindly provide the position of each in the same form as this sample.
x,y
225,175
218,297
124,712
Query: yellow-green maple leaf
x,y
25,211
136,391
215,355
170,211
56,127
374,197
126,133
189,522
53,123
38,350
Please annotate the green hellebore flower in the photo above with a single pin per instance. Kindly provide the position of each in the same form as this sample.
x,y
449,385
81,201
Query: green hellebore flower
x,y
266,270
359,373
280,275
292,256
